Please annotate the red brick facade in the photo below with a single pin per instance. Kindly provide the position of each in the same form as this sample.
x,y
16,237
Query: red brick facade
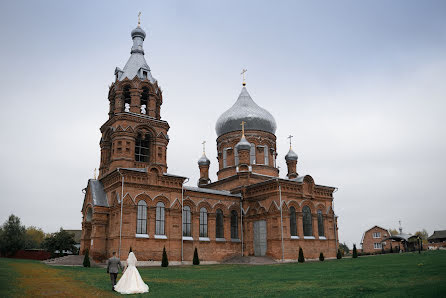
x,y
254,188
372,240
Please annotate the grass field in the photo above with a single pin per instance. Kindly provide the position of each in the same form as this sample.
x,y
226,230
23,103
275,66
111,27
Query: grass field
x,y
393,275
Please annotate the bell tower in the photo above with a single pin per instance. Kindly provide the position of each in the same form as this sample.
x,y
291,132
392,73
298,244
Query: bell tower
x,y
134,136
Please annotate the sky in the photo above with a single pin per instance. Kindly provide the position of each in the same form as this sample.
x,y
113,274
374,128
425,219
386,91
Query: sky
x,y
359,84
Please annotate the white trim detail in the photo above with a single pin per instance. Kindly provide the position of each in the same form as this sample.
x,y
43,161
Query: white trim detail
x,y
160,237
309,237
141,236
204,239
220,239
322,238
295,237
235,240
188,238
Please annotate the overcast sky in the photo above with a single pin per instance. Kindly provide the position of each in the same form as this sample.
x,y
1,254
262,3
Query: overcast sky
x,y
360,84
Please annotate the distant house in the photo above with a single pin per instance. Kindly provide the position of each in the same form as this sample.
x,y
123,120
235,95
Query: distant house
x,y
437,239
372,239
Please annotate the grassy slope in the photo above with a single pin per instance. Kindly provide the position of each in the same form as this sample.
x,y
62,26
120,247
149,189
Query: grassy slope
x,y
387,275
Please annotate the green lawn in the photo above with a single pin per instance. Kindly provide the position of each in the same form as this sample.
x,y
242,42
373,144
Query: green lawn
x,y
408,274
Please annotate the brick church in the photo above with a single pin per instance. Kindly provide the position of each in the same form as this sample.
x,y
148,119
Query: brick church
x,y
248,211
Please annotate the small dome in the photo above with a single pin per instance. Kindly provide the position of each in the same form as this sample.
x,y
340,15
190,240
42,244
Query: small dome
x,y
245,109
204,161
243,144
291,155
138,32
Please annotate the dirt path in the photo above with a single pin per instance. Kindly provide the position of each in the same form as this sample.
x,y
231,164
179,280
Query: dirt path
x,y
39,280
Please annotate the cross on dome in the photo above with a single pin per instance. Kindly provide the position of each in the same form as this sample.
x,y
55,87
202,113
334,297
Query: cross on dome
x,y
243,74
290,137
243,127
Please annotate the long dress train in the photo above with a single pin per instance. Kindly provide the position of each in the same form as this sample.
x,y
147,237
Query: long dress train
x,y
131,282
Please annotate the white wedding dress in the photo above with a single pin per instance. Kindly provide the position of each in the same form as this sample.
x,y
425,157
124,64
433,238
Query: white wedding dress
x,y
131,282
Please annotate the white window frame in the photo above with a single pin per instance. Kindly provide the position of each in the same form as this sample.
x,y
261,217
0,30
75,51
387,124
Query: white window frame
x,y
377,245
376,235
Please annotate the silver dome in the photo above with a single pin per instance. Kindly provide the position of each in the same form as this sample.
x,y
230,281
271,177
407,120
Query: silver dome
x,y
243,144
245,109
204,161
291,155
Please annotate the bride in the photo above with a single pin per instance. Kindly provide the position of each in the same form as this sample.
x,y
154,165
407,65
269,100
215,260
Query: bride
x,y
131,282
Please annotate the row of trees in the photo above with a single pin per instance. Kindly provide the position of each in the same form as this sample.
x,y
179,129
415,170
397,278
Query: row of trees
x,y
14,236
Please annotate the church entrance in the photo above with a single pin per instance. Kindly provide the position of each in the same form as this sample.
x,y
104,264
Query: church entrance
x,y
260,238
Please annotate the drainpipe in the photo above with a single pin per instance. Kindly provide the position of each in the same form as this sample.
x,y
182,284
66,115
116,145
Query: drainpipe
x,y
120,223
281,217
334,222
182,198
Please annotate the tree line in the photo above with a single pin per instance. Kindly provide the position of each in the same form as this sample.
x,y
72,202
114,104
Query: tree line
x,y
14,236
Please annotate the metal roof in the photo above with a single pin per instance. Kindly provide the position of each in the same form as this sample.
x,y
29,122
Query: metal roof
x,y
291,155
212,191
98,194
245,109
204,161
438,235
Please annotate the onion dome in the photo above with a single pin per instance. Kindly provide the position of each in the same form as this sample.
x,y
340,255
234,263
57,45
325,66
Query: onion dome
x,y
291,155
204,161
245,109
136,65
243,144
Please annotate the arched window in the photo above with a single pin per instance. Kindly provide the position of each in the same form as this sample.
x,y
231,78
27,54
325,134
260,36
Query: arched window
x,y
252,154
141,222
234,225
142,144
293,225
186,221
159,227
144,100
307,222
126,96
219,233
320,223
89,214
203,222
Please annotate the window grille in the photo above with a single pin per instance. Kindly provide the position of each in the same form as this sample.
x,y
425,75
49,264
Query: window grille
x,y
142,148
203,222
307,221
219,233
234,225
293,224
159,227
141,222
320,223
186,221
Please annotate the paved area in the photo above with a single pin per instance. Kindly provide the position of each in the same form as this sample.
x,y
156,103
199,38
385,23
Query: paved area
x,y
250,260
72,260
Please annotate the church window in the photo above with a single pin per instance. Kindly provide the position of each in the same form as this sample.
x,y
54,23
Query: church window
x,y
142,148
203,222
89,214
320,223
141,225
144,74
236,156
144,100
127,98
159,226
219,233
252,154
186,221
293,224
265,152
225,157
307,221
234,225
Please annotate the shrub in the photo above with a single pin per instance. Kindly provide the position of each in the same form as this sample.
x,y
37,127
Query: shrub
x,y
391,249
86,259
165,261
321,257
355,253
196,260
339,255
301,258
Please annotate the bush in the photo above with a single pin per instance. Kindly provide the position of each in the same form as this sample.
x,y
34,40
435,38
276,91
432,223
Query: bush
x,y
355,253
391,249
86,259
301,258
339,255
196,260
165,261
321,257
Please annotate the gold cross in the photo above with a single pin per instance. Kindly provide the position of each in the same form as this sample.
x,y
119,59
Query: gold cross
x,y
95,173
243,74
204,142
139,19
289,137
243,127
